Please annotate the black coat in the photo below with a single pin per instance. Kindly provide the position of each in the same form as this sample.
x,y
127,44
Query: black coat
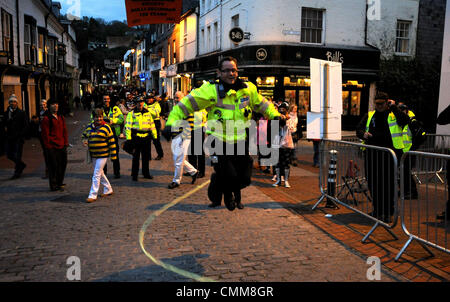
x,y
14,125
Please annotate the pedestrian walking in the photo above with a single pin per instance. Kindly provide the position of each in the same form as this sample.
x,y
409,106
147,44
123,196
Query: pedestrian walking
x,y
230,102
180,144
382,127
99,138
139,129
56,141
285,146
43,111
14,122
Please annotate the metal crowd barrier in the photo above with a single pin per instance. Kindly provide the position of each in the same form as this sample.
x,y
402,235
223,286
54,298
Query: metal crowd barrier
x,y
419,215
434,143
367,174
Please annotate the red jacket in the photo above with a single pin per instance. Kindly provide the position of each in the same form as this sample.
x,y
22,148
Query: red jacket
x,y
54,137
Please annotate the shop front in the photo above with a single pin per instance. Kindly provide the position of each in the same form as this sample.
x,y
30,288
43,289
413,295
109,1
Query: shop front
x,y
281,72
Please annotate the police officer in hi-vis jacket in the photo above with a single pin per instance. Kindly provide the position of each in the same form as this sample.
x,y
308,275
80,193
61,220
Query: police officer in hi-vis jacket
x,y
229,103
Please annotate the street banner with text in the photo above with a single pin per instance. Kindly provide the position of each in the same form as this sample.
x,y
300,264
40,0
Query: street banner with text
x,y
153,11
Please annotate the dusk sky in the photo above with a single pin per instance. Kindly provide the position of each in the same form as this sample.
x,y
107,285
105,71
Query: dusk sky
x,y
107,9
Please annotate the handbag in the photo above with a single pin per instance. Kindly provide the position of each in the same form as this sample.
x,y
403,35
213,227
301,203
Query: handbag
x,y
128,146
286,139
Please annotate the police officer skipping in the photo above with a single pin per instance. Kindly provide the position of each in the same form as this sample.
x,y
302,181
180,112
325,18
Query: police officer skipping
x,y
140,128
229,102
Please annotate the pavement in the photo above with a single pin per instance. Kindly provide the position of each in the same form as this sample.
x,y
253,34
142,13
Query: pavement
x,y
275,238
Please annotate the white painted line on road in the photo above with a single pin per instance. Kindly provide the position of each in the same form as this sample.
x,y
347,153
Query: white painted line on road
x,y
158,262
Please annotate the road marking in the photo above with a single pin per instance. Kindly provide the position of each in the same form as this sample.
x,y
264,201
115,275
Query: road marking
x,y
158,262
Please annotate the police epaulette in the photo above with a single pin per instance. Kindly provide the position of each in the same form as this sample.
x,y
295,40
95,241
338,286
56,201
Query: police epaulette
x,y
213,81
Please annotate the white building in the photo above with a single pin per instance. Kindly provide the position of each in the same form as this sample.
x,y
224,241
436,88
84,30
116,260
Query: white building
x,y
33,53
279,38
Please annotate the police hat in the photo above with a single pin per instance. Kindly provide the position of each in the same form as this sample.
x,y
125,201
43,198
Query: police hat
x,y
139,99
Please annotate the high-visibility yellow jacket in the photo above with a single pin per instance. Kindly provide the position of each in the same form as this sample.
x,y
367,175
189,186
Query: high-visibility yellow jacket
x,y
395,130
114,117
407,135
236,106
142,122
155,110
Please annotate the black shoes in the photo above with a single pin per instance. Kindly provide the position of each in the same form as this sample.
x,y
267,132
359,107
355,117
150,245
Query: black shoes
x,y
237,200
194,177
117,176
134,178
229,201
158,157
214,204
148,176
173,185
200,175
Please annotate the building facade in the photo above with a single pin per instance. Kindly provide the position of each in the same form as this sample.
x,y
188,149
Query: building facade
x,y
38,57
273,42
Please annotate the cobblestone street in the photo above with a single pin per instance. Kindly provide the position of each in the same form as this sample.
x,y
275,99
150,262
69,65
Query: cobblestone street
x,y
263,242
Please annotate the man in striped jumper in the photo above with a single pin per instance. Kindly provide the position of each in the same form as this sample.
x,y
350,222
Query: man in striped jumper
x,y
99,137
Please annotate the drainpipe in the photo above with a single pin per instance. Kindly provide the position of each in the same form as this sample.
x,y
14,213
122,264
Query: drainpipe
x,y
197,28
18,33
366,27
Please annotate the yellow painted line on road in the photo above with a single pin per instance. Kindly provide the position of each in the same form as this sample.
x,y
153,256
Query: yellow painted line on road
x,y
158,262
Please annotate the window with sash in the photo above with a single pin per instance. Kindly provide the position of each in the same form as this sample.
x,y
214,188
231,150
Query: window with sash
x,y
51,53
403,37
312,25
7,29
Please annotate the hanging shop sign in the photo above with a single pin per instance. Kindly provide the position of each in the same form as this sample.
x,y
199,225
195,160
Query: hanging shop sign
x,y
153,12
236,35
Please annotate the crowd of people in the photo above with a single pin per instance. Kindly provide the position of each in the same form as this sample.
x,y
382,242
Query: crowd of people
x,y
191,123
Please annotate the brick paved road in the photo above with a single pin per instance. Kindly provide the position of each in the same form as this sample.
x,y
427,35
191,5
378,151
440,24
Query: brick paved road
x,y
264,242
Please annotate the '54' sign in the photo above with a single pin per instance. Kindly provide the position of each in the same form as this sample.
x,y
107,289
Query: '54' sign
x,y
236,35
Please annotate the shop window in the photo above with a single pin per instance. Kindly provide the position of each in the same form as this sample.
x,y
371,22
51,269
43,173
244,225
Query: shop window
x,y
297,81
402,37
289,96
355,103
265,81
303,102
351,103
345,95
312,25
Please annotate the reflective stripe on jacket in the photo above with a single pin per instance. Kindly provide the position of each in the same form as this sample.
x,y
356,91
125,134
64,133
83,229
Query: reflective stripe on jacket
x,y
142,122
237,106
